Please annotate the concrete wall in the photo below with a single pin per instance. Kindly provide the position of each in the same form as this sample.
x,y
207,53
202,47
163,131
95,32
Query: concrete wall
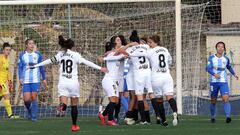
x,y
230,11
233,52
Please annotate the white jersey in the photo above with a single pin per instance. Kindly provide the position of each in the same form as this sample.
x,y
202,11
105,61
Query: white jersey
x,y
138,57
68,62
160,59
113,64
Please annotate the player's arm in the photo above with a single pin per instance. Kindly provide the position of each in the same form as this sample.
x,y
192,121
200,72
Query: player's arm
x,y
230,68
113,58
10,83
138,54
20,69
209,68
48,61
91,64
41,68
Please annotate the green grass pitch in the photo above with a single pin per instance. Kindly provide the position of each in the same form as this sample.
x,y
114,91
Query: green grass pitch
x,y
189,125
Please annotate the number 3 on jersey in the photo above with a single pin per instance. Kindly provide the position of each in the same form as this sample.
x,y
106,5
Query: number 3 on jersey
x,y
142,60
67,66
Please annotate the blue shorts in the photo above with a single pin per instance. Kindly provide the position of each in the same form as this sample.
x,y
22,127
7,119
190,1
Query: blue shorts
x,y
31,87
219,86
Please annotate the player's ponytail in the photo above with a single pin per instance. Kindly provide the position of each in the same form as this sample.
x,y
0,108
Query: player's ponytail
x,y
61,41
134,37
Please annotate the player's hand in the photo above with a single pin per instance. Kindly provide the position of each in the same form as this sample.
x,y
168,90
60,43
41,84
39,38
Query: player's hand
x,y
30,67
236,77
45,84
104,70
217,76
21,82
100,59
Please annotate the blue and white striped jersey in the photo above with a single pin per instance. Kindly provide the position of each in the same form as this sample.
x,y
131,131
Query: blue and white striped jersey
x,y
219,66
30,75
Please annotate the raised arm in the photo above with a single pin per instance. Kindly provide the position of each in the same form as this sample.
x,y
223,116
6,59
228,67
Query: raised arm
x,y
113,58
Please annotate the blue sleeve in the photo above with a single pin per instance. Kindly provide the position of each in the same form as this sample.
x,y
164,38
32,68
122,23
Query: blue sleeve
x,y
229,67
20,67
209,67
42,71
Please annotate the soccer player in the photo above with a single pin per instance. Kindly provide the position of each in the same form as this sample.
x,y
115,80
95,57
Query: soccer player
x,y
142,76
110,80
217,68
162,82
68,85
30,78
5,79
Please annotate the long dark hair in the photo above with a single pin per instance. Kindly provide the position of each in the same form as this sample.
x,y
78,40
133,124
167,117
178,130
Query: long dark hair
x,y
111,44
123,40
134,37
65,44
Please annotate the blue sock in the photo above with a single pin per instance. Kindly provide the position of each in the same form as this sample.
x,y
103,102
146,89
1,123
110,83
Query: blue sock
x,y
212,110
34,110
124,103
227,109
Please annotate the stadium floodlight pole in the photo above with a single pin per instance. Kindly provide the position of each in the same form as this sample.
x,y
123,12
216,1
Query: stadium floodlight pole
x,y
178,55
44,2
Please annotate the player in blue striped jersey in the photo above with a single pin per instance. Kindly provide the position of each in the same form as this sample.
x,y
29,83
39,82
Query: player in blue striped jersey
x,y
30,78
217,68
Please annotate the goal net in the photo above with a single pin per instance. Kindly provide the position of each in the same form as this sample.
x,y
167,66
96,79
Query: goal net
x,y
91,25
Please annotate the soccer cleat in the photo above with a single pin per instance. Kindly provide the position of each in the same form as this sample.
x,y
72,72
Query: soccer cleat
x,y
165,124
112,123
228,120
175,119
75,128
129,121
213,120
101,118
13,117
143,123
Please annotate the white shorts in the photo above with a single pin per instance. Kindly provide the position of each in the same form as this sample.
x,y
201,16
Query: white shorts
x,y
69,89
130,80
162,85
120,84
110,87
142,81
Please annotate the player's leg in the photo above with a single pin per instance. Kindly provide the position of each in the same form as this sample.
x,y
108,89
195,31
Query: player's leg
x,y
224,90
27,99
62,106
146,108
125,100
34,98
74,113
4,92
117,107
214,88
111,108
161,111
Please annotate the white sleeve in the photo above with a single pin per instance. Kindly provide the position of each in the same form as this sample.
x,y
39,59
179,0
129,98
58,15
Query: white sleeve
x,y
88,63
45,62
169,59
113,58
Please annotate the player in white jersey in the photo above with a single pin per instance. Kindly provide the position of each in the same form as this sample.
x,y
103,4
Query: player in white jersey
x,y
110,81
217,68
30,79
162,81
142,75
68,85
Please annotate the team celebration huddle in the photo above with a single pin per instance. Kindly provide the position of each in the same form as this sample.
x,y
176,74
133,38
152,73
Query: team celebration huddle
x,y
135,72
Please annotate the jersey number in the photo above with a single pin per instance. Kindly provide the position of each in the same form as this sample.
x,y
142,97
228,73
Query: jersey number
x,y
142,59
162,62
67,66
